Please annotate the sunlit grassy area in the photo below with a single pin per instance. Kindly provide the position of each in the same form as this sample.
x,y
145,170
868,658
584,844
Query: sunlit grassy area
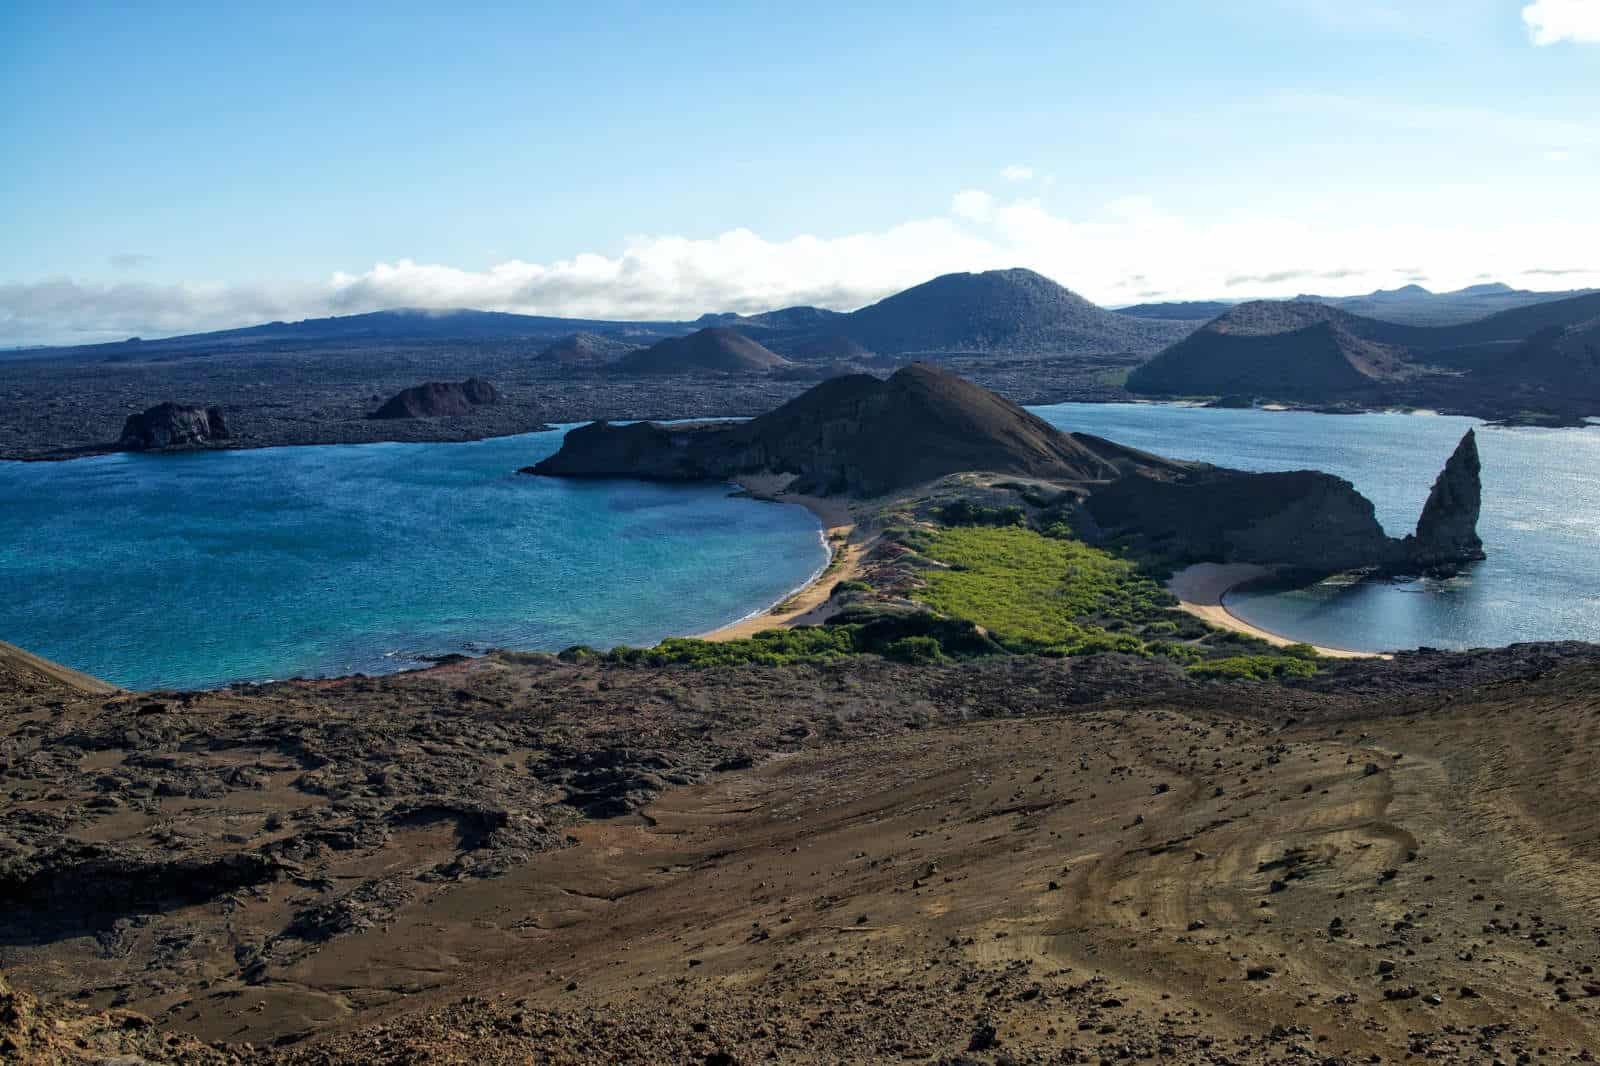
x,y
1034,592
1031,592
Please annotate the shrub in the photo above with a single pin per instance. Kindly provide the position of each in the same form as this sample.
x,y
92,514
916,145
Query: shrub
x,y
770,647
966,513
1253,668
1175,650
915,650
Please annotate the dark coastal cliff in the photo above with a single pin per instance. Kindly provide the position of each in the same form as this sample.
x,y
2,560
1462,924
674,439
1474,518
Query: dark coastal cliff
x,y
172,425
859,436
435,398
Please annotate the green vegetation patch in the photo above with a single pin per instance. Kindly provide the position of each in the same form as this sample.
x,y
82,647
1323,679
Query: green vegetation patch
x,y
991,583
770,647
1038,593
1255,667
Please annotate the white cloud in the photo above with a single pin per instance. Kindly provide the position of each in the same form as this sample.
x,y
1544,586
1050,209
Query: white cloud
x,y
1554,21
975,205
1129,250
1017,173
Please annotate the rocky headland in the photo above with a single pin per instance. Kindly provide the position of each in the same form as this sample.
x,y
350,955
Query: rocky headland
x,y
862,437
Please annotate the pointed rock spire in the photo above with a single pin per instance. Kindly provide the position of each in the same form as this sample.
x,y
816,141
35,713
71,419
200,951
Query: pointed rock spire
x,y
1447,532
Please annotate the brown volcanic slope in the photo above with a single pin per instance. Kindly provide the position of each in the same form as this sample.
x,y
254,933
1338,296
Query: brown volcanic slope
x,y
1019,860
715,349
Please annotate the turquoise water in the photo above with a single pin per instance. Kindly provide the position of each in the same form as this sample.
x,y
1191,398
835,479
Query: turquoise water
x,y
196,570
1540,524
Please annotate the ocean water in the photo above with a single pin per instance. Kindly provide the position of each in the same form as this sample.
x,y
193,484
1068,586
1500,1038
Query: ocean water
x,y
197,570
1540,523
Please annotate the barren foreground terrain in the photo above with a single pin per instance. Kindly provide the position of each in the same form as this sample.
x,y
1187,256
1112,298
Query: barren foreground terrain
x,y
1016,860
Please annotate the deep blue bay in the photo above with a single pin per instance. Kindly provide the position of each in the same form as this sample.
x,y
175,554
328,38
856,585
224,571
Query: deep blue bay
x,y
200,569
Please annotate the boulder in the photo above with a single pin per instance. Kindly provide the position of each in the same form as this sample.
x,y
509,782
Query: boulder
x,y
172,425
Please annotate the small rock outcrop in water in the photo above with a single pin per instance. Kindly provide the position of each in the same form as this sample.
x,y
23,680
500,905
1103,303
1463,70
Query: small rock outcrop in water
x,y
1447,532
436,398
172,425
863,437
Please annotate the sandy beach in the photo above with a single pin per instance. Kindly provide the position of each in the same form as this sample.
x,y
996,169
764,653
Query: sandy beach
x,y
810,604
1201,588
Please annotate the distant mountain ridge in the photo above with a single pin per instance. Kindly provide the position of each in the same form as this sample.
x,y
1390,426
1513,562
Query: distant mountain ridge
x,y
1417,306
1015,312
1410,305
1312,352
998,312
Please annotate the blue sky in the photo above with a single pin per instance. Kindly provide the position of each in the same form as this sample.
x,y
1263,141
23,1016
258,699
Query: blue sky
x,y
182,167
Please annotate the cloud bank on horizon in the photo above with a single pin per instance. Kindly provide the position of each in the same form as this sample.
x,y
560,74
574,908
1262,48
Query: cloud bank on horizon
x,y
1132,252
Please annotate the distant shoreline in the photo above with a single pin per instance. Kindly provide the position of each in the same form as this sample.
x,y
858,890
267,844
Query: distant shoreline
x,y
454,431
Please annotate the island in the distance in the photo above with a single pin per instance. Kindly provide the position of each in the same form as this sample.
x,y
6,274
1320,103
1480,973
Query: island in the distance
x,y
863,437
